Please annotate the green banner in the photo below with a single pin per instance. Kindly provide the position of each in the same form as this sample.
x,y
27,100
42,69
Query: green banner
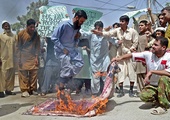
x,y
50,16
134,13
92,15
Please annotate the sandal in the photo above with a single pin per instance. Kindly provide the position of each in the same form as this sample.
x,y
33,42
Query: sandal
x,y
159,111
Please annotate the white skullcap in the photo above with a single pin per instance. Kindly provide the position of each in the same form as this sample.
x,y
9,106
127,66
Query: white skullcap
x,y
160,29
4,21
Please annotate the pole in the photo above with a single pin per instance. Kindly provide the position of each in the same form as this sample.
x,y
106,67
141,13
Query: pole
x,y
149,4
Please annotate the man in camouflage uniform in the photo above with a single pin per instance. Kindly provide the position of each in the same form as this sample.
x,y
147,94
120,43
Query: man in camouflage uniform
x,y
157,81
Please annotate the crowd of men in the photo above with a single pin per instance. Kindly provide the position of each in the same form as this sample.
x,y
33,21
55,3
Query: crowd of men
x,y
142,56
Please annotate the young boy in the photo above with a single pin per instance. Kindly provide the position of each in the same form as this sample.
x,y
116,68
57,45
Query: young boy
x,y
99,58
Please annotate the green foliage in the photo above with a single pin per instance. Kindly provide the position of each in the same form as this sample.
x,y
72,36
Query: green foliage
x,y
167,4
16,27
33,12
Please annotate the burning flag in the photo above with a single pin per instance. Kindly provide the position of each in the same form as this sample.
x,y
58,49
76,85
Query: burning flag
x,y
65,106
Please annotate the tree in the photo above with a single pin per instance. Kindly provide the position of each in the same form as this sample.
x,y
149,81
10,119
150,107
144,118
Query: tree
x,y
167,4
33,12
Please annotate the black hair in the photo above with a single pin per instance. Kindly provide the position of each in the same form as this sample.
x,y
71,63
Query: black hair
x,y
124,17
116,24
160,14
30,22
81,13
153,35
163,41
166,8
99,23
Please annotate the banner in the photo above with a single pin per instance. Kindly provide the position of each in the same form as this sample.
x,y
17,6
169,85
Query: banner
x,y
50,16
134,13
92,15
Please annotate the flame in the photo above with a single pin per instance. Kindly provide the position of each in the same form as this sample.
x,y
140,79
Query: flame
x,y
66,105
36,109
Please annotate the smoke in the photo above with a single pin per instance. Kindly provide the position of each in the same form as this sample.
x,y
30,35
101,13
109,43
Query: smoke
x,y
75,84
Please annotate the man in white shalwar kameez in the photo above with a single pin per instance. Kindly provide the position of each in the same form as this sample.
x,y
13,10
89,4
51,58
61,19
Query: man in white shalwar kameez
x,y
7,46
99,58
129,38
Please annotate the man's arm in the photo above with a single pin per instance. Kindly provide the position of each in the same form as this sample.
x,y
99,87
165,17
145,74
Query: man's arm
x,y
157,72
37,49
114,41
127,56
18,44
136,24
108,28
55,38
151,16
165,72
85,35
160,72
134,40
111,33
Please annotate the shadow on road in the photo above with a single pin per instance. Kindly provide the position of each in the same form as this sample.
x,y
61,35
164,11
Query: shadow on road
x,y
128,102
10,108
110,105
146,106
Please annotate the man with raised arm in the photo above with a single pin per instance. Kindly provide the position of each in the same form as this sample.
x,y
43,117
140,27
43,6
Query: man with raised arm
x,y
157,81
129,38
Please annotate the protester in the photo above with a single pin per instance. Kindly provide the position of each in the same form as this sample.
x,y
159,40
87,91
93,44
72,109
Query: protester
x,y
166,13
157,81
113,52
152,21
99,57
112,47
64,45
41,59
162,22
28,47
129,38
7,58
142,46
159,31
51,72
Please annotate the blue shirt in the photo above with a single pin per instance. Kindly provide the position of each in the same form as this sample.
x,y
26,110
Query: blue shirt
x,y
63,36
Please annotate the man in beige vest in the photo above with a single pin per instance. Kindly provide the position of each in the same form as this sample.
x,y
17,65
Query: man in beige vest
x,y
142,46
7,75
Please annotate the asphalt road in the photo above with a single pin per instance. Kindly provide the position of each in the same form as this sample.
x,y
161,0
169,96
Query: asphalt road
x,y
125,108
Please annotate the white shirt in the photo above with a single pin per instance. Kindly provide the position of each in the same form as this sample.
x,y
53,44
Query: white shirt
x,y
129,37
153,63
